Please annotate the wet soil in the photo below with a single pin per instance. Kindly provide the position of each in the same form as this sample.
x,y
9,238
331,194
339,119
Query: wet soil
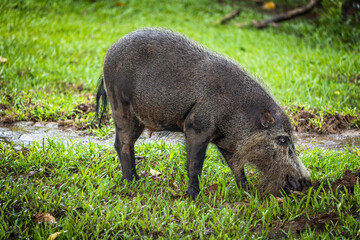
x,y
348,181
23,133
320,221
299,225
315,121
26,132
304,120
343,139
9,113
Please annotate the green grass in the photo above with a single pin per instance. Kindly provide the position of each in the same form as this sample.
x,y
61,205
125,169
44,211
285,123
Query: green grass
x,y
52,47
55,51
80,185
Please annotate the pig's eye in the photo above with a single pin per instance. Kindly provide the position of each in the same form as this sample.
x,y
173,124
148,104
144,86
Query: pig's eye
x,y
283,140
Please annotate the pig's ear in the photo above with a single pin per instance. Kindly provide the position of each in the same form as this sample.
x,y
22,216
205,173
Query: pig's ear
x,y
266,119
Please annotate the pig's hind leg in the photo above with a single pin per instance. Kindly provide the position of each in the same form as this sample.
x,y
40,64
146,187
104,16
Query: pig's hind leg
x,y
128,129
198,132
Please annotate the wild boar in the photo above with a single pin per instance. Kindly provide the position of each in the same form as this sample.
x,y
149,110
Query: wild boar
x,y
157,79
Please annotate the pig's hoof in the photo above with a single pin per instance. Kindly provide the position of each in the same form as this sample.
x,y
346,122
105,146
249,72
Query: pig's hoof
x,y
244,185
131,179
192,193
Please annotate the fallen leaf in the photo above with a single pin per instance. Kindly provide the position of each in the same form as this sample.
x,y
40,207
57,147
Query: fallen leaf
x,y
269,5
3,60
279,200
31,173
44,217
143,174
154,173
120,4
53,236
176,186
213,188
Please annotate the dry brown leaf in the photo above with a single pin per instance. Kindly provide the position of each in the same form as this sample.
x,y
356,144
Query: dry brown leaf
x,y
29,174
53,236
3,60
269,5
44,217
279,200
154,173
32,173
213,188
120,4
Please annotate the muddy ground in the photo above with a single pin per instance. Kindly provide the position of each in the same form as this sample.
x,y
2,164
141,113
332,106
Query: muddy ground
x,y
313,128
314,121
319,222
304,120
26,132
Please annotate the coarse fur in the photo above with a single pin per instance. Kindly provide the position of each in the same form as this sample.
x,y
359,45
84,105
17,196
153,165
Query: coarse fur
x,y
161,80
258,147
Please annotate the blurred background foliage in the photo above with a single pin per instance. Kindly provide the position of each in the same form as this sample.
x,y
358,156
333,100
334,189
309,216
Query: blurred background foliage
x,y
54,50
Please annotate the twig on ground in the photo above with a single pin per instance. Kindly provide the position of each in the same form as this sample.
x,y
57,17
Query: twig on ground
x,y
283,16
230,16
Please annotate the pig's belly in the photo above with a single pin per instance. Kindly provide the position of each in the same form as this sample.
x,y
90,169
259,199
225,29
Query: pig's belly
x,y
160,116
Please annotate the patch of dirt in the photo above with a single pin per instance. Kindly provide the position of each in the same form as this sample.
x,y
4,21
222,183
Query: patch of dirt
x,y
348,181
9,118
212,188
86,108
79,112
310,121
320,221
9,112
353,79
3,106
299,225
76,88
305,121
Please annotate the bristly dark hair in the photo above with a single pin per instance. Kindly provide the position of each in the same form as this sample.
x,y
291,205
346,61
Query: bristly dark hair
x,y
100,108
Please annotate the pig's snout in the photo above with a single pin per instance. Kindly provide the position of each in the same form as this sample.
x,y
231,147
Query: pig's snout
x,y
296,184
